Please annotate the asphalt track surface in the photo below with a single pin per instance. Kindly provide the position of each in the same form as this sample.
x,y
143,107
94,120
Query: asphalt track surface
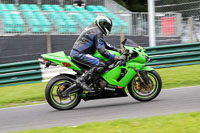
x,y
170,101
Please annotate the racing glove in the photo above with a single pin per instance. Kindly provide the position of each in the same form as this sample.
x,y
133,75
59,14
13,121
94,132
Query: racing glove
x,y
121,57
123,50
120,50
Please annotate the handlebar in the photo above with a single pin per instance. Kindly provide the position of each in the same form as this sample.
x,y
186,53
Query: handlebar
x,y
123,62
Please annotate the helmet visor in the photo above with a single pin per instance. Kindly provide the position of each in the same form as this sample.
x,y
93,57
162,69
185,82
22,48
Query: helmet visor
x,y
108,27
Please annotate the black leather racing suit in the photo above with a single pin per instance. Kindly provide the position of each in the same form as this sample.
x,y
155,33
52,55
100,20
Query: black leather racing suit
x,y
90,40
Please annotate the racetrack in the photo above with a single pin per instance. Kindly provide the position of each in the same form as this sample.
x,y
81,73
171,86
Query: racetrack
x,y
170,101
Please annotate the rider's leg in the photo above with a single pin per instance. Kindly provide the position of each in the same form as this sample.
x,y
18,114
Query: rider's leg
x,y
89,74
96,66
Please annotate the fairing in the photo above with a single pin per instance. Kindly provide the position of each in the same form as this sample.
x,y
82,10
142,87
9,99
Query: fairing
x,y
113,76
60,58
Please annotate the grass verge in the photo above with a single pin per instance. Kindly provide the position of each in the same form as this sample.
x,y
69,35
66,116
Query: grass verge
x,y
180,76
34,93
182,123
22,94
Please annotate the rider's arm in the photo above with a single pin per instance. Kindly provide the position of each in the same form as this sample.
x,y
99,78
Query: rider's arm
x,y
100,46
111,47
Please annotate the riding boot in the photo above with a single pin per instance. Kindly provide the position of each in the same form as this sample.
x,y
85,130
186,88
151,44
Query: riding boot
x,y
81,81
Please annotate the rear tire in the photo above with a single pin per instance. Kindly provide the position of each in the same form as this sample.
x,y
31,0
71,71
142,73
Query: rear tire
x,y
155,86
54,97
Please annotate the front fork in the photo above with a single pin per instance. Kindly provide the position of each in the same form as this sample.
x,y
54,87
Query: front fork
x,y
144,79
139,75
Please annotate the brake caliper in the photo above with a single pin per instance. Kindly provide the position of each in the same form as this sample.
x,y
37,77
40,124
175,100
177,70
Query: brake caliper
x,y
61,88
141,84
137,85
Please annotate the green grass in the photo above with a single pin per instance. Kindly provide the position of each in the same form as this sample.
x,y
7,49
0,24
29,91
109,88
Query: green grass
x,y
34,93
180,76
176,123
22,94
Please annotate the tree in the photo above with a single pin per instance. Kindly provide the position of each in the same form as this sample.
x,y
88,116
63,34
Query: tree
x,y
134,5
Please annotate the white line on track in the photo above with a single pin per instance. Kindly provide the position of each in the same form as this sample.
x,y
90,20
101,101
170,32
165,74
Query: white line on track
x,y
46,103
23,106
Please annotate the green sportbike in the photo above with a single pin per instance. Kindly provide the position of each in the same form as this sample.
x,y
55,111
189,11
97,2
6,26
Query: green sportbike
x,y
120,78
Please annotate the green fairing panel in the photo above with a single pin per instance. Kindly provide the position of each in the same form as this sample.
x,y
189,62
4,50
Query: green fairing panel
x,y
139,66
140,60
134,65
98,55
112,76
59,58
130,48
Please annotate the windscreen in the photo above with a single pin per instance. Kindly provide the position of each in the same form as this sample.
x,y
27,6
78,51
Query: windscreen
x,y
129,42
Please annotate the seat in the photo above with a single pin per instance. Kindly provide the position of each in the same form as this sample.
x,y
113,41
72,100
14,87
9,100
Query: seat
x,y
62,29
34,7
35,24
46,26
9,25
11,7
19,23
70,8
71,25
91,8
81,66
19,29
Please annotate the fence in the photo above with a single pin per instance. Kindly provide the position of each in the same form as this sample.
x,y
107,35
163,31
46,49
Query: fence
x,y
173,19
59,2
189,9
56,22
30,47
73,22
20,72
161,57
167,24
174,55
39,2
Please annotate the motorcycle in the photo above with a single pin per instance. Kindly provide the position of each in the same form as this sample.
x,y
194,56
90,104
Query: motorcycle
x,y
120,78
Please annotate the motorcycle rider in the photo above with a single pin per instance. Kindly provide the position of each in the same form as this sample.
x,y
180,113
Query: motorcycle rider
x,y
90,40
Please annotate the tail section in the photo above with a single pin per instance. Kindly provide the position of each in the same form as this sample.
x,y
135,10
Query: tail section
x,y
61,59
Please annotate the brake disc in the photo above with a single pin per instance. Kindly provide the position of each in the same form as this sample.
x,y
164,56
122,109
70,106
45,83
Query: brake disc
x,y
143,88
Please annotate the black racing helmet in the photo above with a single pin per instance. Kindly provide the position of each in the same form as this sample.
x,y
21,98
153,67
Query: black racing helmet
x,y
104,23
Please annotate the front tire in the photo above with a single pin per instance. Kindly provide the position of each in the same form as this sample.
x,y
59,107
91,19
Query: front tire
x,y
150,91
56,99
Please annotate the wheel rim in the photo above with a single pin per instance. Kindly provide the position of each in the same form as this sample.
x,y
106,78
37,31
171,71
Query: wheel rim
x,y
143,93
57,99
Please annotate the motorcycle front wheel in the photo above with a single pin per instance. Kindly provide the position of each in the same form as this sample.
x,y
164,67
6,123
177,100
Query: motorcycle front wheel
x,y
145,91
53,93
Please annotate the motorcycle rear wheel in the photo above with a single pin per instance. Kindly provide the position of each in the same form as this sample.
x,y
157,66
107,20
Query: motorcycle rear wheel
x,y
145,93
54,97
